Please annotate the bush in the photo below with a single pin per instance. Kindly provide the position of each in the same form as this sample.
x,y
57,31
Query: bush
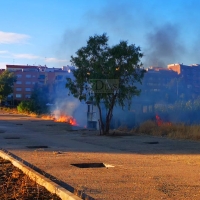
x,y
25,107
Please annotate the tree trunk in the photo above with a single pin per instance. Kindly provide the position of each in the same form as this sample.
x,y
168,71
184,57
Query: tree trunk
x,y
101,121
108,120
110,114
105,128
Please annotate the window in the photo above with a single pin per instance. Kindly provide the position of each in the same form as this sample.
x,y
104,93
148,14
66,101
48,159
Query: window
x,y
28,76
19,75
28,96
28,89
28,82
42,76
144,109
18,89
18,82
41,82
18,95
10,95
59,77
150,109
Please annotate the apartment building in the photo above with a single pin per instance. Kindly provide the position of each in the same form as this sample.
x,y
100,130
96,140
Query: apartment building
x,y
158,78
184,79
189,75
28,76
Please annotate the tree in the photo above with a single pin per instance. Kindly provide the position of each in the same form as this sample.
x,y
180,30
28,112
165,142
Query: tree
x,y
26,106
37,103
115,70
7,80
39,99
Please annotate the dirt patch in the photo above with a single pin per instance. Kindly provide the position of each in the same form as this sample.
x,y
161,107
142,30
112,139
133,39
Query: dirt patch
x,y
14,184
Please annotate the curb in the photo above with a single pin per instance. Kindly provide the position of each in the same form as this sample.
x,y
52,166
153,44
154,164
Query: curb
x,y
40,179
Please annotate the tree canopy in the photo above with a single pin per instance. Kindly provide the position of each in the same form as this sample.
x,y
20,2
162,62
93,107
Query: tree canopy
x,y
106,75
37,102
7,80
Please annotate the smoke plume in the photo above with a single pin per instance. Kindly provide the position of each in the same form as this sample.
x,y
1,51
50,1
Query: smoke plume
x,y
164,46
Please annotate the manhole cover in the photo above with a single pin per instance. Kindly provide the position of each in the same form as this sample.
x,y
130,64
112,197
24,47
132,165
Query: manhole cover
x,y
152,142
19,124
36,147
89,165
12,138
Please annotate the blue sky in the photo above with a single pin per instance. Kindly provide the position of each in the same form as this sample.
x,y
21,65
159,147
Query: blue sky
x,y
47,32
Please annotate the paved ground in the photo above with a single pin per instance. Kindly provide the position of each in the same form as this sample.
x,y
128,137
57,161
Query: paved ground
x,y
144,167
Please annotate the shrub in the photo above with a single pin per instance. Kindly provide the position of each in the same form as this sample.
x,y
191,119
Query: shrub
x,y
25,107
176,131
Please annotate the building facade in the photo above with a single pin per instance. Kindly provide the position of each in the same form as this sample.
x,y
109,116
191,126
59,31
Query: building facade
x,y
175,80
28,76
189,76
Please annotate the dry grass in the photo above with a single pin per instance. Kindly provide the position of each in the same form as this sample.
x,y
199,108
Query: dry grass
x,y
14,184
15,111
176,131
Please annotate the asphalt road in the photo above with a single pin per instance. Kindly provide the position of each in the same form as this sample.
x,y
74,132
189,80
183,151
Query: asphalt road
x,y
136,167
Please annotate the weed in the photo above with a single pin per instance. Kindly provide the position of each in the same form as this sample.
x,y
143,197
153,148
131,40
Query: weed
x,y
176,131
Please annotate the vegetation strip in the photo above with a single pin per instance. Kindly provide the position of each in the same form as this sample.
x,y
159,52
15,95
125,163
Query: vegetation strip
x,y
40,179
14,184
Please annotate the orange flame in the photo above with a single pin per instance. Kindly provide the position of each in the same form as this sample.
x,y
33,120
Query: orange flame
x,y
57,116
47,117
66,118
160,122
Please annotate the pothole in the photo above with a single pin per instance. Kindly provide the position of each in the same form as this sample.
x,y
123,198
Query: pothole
x,y
37,147
155,142
1,131
91,165
15,138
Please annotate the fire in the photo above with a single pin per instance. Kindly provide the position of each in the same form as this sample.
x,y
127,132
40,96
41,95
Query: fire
x,y
47,117
66,118
160,122
58,116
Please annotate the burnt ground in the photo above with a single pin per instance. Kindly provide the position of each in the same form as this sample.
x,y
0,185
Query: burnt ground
x,y
14,184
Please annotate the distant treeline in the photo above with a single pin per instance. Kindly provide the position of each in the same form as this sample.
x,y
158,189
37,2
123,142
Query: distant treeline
x,y
187,112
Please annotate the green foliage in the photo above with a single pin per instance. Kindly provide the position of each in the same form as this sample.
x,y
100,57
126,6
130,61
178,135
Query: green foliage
x,y
7,80
39,99
37,103
26,107
98,61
